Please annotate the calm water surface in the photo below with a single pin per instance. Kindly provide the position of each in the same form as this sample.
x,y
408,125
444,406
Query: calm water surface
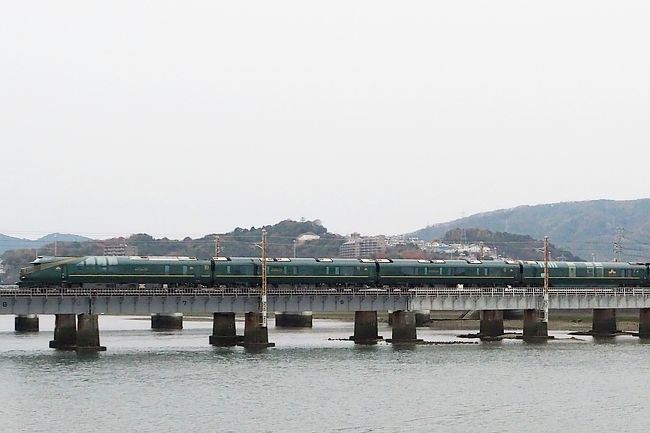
x,y
175,382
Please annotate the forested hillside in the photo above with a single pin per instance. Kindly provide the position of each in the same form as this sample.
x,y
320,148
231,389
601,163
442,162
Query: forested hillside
x,y
588,229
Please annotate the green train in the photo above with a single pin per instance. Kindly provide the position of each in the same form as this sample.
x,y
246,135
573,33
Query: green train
x,y
131,271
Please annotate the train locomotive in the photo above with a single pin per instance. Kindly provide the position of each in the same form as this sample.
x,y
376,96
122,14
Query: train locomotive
x,y
244,272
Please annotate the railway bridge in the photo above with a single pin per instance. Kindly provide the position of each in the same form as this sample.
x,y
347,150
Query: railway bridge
x,y
77,309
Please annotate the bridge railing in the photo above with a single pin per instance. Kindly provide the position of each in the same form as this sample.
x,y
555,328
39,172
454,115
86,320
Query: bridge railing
x,y
333,291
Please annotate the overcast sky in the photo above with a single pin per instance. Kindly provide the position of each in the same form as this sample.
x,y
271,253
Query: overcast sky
x,y
192,117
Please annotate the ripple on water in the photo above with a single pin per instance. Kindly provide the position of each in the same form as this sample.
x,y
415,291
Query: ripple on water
x,y
152,382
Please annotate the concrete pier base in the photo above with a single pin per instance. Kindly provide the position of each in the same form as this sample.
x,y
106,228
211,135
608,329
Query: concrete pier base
x,y
223,330
534,328
294,320
644,323
604,322
88,333
255,336
422,317
65,332
491,324
365,327
404,328
167,322
26,323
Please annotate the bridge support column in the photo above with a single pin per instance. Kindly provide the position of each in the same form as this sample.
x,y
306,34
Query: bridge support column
x,y
255,336
167,322
644,322
404,328
604,322
422,317
88,333
294,320
223,330
491,323
65,332
365,327
534,328
26,323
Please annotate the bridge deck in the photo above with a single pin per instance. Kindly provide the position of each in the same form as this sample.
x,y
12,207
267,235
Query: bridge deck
x,y
192,300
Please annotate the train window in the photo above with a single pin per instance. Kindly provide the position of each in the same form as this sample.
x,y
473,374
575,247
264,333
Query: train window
x,y
90,261
347,271
486,271
337,270
408,271
101,261
166,269
112,261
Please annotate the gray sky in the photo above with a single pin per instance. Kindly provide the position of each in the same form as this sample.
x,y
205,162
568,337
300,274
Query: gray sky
x,y
192,117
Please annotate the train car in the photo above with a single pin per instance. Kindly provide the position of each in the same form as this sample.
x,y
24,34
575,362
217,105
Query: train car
x,y
246,271
235,272
110,271
448,273
586,274
46,271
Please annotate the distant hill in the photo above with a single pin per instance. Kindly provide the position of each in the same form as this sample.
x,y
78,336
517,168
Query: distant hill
x,y
518,247
584,228
11,243
239,242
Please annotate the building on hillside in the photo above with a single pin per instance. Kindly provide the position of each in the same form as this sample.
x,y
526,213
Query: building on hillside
x,y
306,237
363,247
120,249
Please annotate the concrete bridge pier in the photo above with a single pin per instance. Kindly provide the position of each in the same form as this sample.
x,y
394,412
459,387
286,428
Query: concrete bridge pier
x,y
223,330
26,323
166,322
88,333
404,328
65,332
422,317
491,323
365,327
255,336
534,328
604,322
644,322
293,320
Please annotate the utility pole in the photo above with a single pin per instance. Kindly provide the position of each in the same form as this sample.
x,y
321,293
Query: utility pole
x,y
216,246
546,283
480,256
294,248
263,292
618,244
55,245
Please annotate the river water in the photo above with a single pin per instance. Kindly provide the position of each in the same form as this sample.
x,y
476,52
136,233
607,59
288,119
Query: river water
x,y
175,382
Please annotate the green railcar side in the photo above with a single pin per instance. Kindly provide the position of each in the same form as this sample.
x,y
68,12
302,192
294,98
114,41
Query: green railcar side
x,y
585,274
447,273
172,271
245,271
